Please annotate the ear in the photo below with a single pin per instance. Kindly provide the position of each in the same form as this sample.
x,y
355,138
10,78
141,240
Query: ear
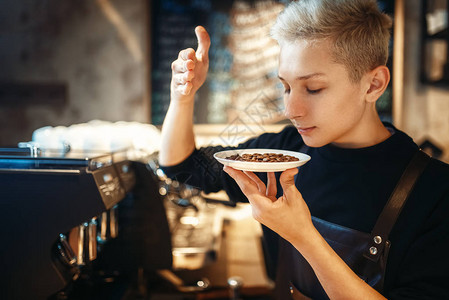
x,y
378,80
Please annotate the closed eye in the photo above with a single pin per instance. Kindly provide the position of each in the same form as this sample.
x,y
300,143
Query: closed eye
x,y
312,92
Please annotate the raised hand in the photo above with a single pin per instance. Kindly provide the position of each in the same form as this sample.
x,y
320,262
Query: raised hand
x,y
189,70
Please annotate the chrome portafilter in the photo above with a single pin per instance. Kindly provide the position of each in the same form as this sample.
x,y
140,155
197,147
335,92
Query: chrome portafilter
x,y
83,241
107,225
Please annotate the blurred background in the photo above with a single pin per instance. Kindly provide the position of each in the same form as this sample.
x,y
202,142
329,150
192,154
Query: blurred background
x,y
67,62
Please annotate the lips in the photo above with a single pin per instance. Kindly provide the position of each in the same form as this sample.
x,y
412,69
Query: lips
x,y
305,130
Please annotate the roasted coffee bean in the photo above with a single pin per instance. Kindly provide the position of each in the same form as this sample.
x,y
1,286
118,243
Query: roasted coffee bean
x,y
265,157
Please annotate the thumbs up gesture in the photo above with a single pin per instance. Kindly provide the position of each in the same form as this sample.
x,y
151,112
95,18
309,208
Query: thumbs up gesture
x,y
189,70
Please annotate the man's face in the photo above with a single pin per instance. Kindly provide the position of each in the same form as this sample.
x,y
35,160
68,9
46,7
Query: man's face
x,y
320,100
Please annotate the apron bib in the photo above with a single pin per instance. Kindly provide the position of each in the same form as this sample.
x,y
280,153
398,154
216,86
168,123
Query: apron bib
x,y
365,253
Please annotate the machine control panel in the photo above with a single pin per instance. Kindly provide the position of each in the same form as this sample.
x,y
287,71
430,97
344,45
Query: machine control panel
x,y
109,186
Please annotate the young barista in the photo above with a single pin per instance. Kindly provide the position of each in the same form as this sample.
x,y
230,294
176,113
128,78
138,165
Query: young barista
x,y
368,216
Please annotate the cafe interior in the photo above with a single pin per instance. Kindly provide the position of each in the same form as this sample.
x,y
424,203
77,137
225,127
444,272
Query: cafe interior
x,y
86,210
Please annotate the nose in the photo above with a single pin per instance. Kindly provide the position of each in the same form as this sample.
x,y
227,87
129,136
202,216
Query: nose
x,y
294,106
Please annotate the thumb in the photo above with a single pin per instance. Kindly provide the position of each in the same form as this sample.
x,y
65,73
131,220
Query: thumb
x,y
287,181
202,53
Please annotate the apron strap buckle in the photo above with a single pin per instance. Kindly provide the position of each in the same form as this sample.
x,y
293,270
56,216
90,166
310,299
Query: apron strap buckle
x,y
391,211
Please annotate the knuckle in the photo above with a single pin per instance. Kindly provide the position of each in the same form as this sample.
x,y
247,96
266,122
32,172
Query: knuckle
x,y
174,65
184,54
190,64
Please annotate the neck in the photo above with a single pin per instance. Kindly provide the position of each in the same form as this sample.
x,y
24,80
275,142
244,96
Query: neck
x,y
371,132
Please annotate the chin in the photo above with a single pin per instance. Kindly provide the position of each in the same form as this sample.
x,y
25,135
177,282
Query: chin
x,y
310,142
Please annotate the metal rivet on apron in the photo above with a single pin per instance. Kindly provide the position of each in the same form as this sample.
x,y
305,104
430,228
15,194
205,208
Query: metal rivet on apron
x,y
373,250
377,239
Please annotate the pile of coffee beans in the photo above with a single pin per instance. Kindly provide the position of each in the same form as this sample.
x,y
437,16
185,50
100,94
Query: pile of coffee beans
x,y
265,157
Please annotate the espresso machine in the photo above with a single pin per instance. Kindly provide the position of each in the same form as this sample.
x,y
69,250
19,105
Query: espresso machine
x,y
87,213
75,224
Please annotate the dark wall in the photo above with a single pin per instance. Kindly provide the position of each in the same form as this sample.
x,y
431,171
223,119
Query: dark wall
x,y
65,62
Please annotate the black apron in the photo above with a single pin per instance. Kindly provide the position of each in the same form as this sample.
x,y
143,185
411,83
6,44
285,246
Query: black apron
x,y
366,254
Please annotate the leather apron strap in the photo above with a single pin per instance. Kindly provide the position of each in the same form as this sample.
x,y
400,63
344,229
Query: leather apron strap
x,y
391,211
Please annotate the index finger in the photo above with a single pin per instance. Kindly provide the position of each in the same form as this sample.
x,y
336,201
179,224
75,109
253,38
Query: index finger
x,y
248,187
187,54
260,184
246,184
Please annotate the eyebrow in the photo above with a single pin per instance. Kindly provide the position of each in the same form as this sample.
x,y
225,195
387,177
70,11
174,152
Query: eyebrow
x,y
308,76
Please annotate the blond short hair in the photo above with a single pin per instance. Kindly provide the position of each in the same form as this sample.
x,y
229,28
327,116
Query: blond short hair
x,y
359,31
